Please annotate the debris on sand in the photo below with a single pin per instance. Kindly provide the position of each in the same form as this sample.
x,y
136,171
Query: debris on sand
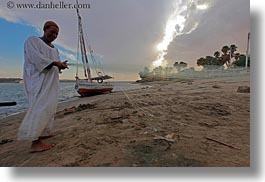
x,y
222,143
168,138
4,141
69,110
82,107
243,89
216,86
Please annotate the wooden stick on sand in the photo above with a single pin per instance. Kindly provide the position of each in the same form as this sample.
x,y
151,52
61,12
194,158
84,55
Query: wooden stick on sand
x,y
222,143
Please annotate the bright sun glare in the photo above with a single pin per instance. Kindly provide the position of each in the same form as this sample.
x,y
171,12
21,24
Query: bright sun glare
x,y
203,7
174,27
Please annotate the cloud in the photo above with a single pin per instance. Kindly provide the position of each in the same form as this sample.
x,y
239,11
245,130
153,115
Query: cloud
x,y
183,20
225,23
9,16
69,56
126,32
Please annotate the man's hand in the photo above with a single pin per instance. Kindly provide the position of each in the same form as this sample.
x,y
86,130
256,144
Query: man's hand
x,y
64,65
61,65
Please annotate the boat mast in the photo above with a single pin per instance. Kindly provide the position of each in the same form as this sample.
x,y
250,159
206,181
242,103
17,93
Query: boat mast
x,y
87,71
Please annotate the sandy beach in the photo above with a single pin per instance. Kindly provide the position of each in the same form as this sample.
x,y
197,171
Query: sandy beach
x,y
198,123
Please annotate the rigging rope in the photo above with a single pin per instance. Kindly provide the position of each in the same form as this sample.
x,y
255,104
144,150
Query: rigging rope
x,y
87,71
96,64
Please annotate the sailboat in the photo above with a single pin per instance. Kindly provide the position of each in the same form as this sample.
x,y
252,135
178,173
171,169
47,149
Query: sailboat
x,y
90,85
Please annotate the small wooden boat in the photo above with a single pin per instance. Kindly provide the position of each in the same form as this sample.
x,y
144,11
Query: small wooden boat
x,y
90,85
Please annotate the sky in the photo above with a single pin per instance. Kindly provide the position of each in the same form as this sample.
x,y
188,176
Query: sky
x,y
127,35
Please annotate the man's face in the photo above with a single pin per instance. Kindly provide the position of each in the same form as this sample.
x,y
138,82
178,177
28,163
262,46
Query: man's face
x,y
51,33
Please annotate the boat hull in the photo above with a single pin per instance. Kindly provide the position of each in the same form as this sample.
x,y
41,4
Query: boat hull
x,y
86,92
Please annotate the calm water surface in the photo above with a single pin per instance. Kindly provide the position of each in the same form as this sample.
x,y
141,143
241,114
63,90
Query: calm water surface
x,y
14,92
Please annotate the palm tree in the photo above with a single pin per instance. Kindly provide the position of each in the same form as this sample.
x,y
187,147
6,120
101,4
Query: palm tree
x,y
180,65
217,54
225,56
218,59
233,48
225,49
201,62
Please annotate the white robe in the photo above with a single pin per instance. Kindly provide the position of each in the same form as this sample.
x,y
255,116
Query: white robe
x,y
41,88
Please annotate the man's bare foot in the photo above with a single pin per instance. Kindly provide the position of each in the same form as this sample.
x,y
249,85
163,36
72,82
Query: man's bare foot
x,y
38,146
45,137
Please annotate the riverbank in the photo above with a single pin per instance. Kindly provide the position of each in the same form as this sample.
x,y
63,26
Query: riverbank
x,y
173,123
15,92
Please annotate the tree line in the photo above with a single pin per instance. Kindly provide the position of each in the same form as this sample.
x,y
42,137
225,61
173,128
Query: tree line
x,y
229,57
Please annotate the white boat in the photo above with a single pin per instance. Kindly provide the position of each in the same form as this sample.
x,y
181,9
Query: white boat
x,y
90,85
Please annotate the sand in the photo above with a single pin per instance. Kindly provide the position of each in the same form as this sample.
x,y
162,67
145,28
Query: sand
x,y
172,123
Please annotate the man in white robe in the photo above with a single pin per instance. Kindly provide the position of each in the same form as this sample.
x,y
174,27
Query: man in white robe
x,y
41,82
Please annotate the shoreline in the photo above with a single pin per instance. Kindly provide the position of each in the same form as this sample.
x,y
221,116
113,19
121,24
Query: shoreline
x,y
75,98
171,124
60,106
